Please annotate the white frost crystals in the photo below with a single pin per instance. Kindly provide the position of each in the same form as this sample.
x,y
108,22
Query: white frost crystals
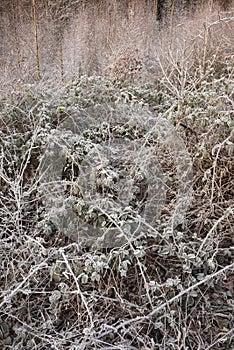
x,y
102,178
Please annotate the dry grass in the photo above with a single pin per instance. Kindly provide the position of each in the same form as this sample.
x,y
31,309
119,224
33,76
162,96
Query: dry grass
x,y
90,44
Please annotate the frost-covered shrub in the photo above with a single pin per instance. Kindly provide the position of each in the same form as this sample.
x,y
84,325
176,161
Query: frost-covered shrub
x,y
60,292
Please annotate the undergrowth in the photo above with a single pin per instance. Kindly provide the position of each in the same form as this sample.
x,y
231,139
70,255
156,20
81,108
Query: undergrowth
x,y
94,251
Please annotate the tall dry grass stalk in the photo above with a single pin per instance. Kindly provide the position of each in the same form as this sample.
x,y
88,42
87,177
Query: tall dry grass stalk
x,y
36,39
16,37
155,8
